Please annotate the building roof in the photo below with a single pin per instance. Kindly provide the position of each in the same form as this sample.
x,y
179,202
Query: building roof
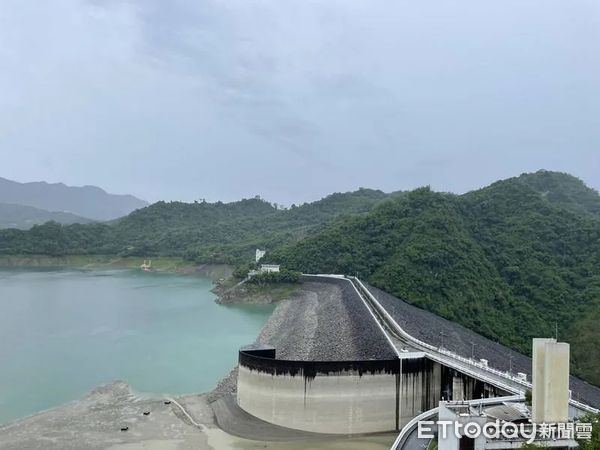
x,y
508,412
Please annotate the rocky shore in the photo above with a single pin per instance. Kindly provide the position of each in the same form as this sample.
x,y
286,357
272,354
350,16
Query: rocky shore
x,y
113,418
252,294
324,321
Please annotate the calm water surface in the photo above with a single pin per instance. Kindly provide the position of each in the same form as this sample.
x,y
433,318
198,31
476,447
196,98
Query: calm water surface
x,y
63,333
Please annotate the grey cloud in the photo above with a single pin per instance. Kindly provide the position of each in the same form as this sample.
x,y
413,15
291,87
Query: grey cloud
x,y
292,100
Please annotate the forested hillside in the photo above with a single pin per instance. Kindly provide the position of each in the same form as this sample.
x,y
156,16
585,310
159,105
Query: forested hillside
x,y
201,231
563,189
510,261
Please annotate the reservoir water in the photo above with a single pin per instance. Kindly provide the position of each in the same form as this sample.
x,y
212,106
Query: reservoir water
x,y
62,333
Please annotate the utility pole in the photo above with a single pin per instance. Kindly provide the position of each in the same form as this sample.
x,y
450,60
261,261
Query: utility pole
x,y
473,350
442,334
556,331
510,358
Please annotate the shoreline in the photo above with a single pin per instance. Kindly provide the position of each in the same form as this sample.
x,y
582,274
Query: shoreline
x,y
113,417
250,294
160,264
272,329
99,415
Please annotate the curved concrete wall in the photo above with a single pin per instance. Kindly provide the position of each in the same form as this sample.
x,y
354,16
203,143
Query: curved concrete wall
x,y
324,397
347,397
379,392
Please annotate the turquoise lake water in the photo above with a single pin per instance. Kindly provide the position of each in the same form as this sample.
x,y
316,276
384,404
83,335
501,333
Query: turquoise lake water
x,y
62,333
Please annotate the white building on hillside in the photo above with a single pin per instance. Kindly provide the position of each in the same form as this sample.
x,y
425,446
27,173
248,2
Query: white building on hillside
x,y
259,254
269,268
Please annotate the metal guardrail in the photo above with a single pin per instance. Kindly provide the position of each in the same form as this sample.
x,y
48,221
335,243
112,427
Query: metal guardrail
x,y
380,325
583,406
447,357
469,362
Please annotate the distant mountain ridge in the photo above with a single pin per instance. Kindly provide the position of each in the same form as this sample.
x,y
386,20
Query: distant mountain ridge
x,y
86,201
200,231
24,217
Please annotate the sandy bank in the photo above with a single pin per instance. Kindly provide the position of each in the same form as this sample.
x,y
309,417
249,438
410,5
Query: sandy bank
x,y
98,262
95,423
252,294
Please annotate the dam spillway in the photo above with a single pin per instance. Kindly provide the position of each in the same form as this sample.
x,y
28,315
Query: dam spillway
x,y
379,390
347,397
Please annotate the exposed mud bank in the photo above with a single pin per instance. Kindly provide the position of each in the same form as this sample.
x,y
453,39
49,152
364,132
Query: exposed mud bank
x,y
101,262
253,294
96,421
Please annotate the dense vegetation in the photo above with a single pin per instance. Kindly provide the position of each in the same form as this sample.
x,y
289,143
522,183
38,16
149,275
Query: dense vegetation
x,y
201,231
511,261
24,217
594,442
284,276
562,189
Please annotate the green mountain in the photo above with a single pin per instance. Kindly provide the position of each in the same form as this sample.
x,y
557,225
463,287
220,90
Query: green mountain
x,y
561,189
511,261
24,217
201,231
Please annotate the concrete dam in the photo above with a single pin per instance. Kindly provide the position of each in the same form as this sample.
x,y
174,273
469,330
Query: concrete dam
x,y
390,379
348,397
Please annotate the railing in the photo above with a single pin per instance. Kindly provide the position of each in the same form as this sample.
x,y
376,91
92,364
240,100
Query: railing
x,y
583,406
455,357
435,350
446,356
487,368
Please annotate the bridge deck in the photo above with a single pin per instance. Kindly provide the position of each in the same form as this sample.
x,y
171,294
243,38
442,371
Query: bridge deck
x,y
404,342
427,327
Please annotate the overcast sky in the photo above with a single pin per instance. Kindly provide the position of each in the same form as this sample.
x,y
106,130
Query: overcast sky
x,y
294,99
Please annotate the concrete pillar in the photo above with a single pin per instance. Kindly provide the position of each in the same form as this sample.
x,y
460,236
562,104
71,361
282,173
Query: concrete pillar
x,y
537,377
550,394
458,388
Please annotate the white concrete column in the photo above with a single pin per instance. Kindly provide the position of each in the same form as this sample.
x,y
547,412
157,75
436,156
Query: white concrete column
x,y
550,394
